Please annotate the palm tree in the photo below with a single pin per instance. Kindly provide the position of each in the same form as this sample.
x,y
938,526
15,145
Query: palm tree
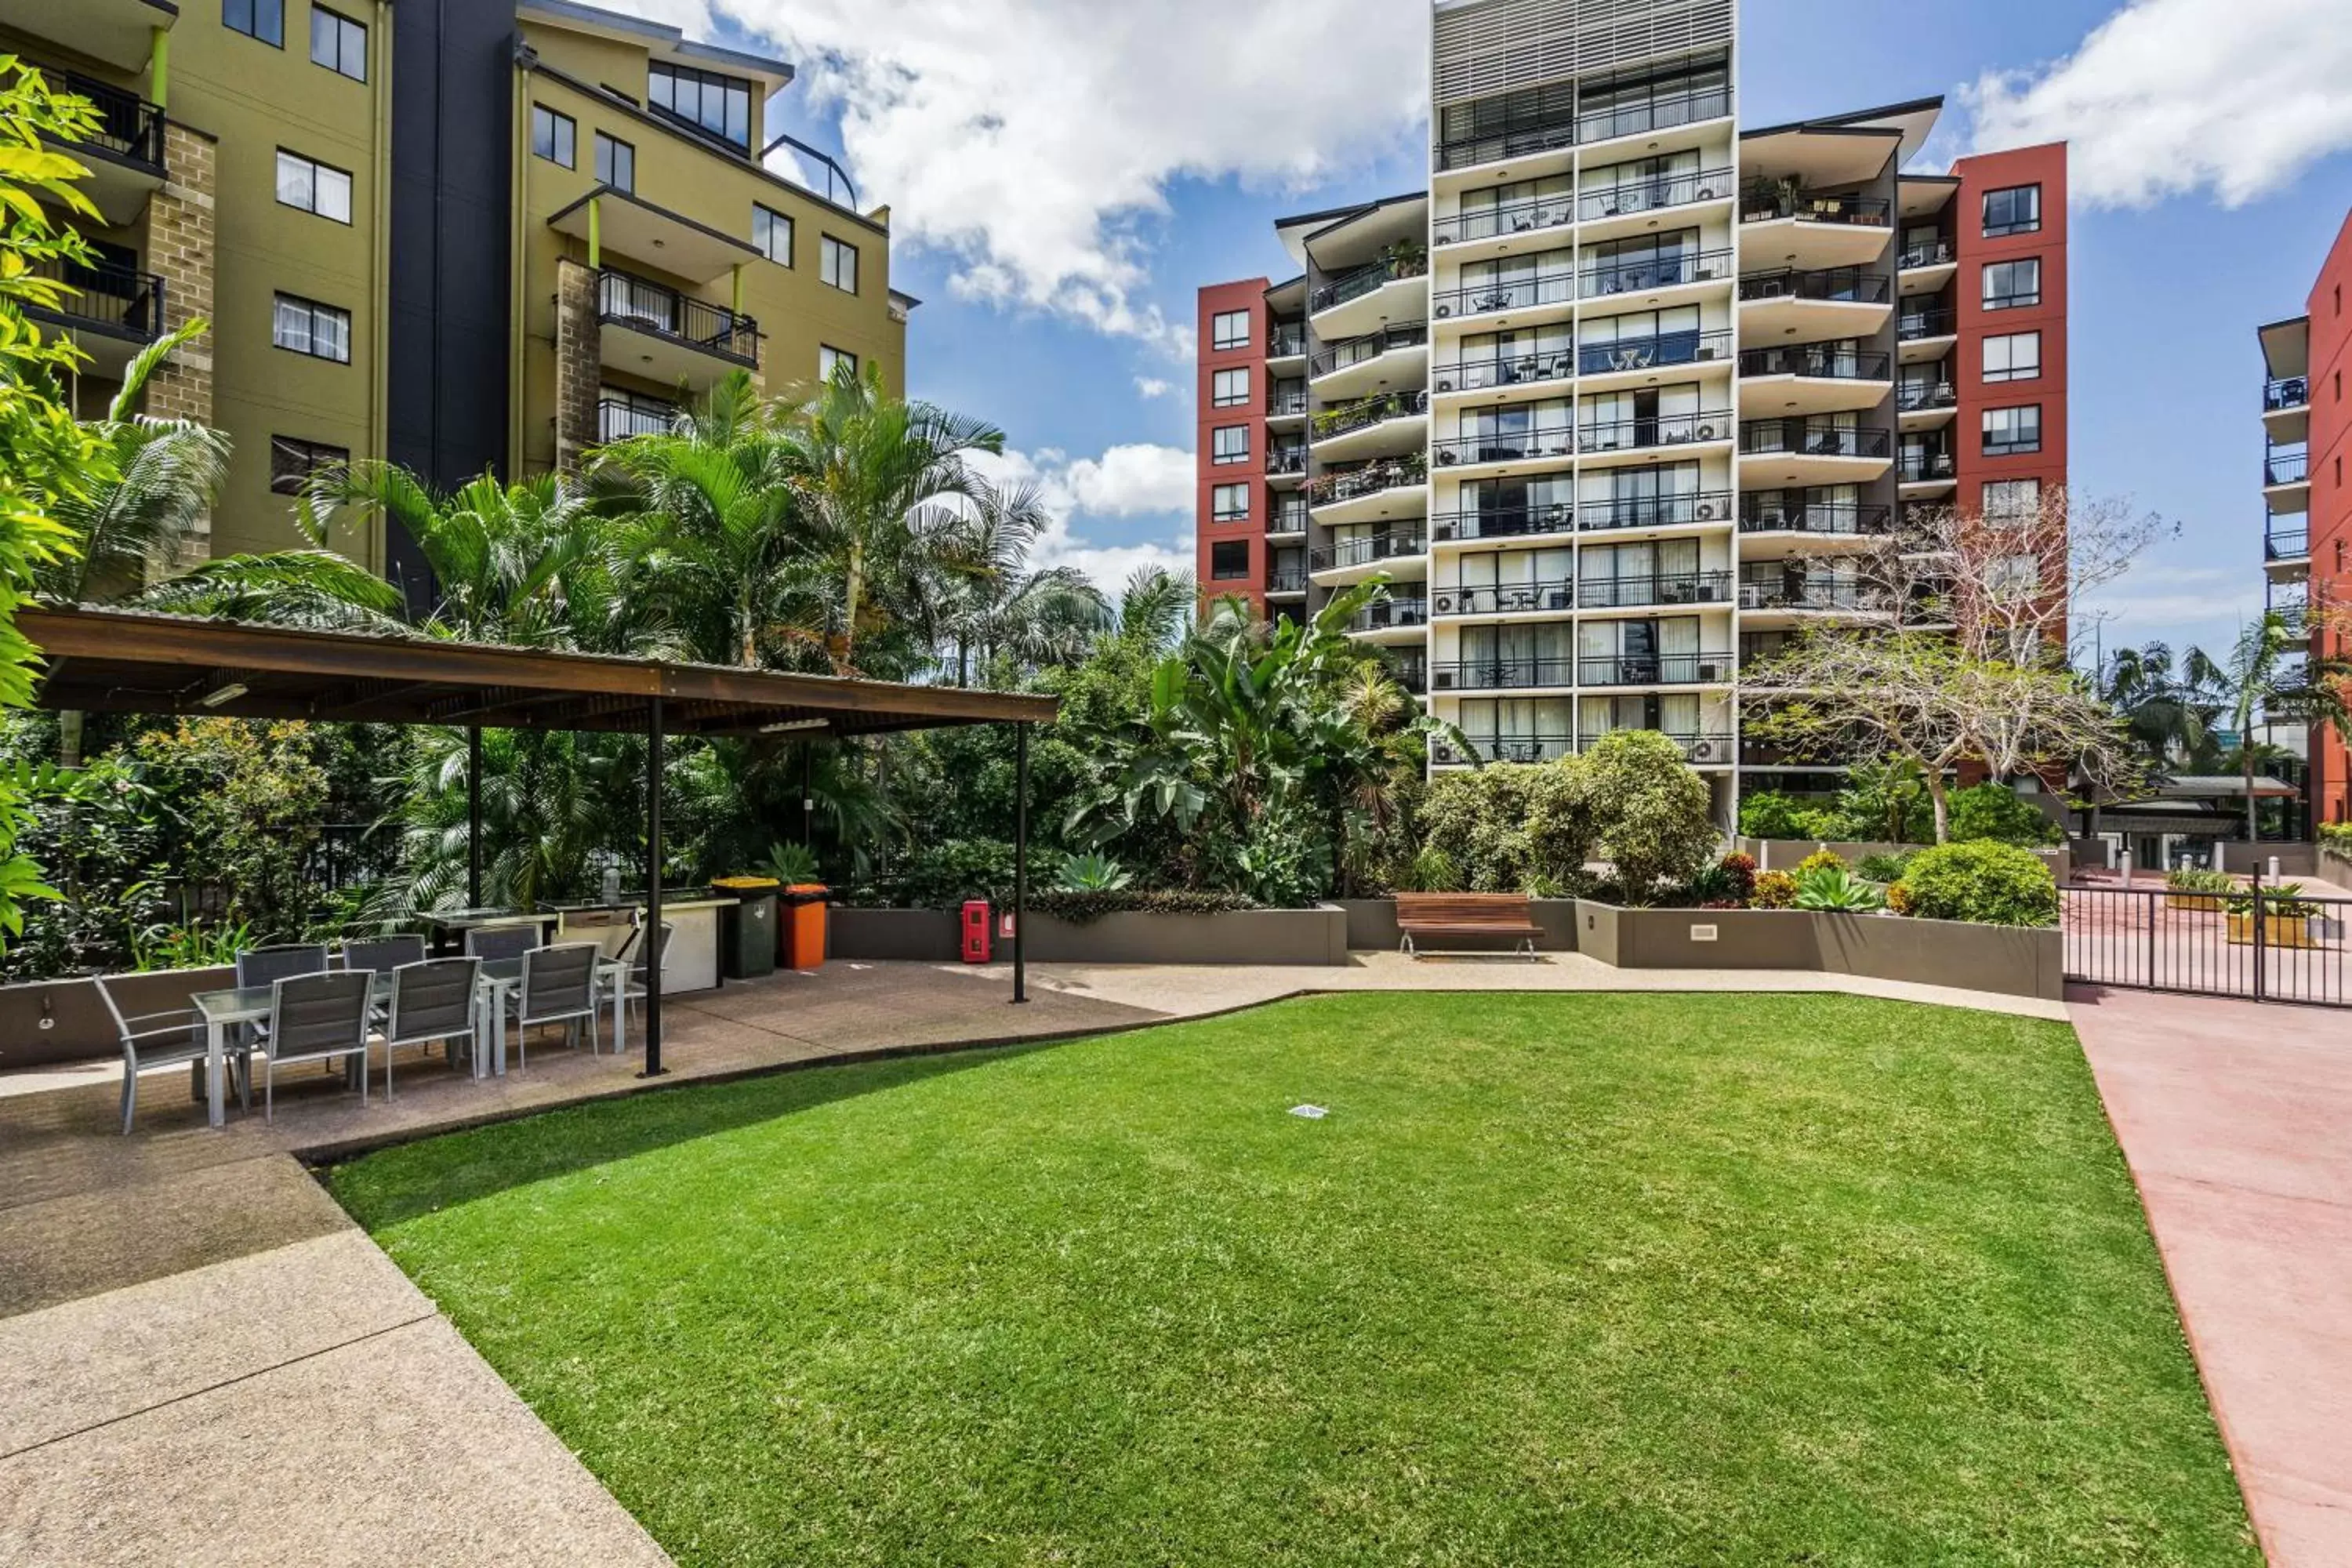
x,y
2262,682
2171,712
991,604
1157,605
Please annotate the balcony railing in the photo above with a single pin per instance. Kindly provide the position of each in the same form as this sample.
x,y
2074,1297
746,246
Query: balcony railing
x,y
1358,281
128,127
1288,518
1917,468
1533,748
1930,253
1663,588
1764,514
1412,674
1356,350
1390,612
1780,592
1367,411
1660,430
1505,447
1286,459
1931,321
1660,111
626,299
2287,545
1520,294
1648,195
1544,135
1652,352
1698,747
1798,438
1526,216
1364,550
1504,598
1837,285
1639,275
2294,614
1366,479
1916,396
2286,468
120,300
1504,523
1500,674
1654,510
617,420
1872,212
1287,340
1513,369
1822,361
1291,581
1655,670
1286,403
2286,391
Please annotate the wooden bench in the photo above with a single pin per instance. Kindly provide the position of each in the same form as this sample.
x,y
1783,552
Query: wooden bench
x,y
1465,914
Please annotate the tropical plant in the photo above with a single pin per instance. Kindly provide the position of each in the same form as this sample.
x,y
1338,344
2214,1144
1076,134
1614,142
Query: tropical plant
x,y
555,805
1092,874
992,605
1821,860
1888,868
1774,890
1155,607
1997,812
242,801
2197,879
101,836
2274,675
1984,881
1771,813
791,865
1836,887
2172,708
198,944
1886,800
1653,814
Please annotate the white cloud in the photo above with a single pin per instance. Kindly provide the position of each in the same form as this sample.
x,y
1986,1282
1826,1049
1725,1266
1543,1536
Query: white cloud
x,y
1152,386
1036,141
1126,482
2170,97
2203,604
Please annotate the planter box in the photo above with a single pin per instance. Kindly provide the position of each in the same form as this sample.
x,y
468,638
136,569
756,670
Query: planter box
x,y
2005,959
1316,936
2208,902
2278,930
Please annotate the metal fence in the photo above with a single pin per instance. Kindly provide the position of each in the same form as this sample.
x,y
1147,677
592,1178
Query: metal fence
x,y
2260,943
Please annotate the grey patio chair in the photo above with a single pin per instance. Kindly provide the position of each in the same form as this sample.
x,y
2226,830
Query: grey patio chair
x,y
266,966
383,953
501,941
158,1039
630,973
317,1018
558,986
432,1000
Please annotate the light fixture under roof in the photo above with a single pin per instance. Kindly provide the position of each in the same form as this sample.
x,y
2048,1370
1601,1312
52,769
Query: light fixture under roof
x,y
785,726
220,694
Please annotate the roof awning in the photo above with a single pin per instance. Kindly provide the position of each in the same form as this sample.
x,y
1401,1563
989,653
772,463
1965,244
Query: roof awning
x,y
627,225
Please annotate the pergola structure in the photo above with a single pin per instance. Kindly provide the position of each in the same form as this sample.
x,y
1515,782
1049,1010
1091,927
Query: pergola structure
x,y
121,662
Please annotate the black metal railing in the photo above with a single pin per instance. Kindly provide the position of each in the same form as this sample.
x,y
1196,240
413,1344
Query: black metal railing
x,y
617,420
1390,613
1659,430
1290,580
1836,285
119,298
1287,403
1365,550
1500,673
624,299
1358,281
1287,340
1917,468
1366,411
1504,598
1659,588
1914,396
2286,468
1811,207
1519,294
1505,447
1371,345
2285,391
1504,523
1781,591
1289,518
1652,352
1932,321
2286,544
1637,275
1525,216
1825,362
1801,437
1412,674
1650,194
1503,370
1655,670
1660,111
1654,510
1529,748
2258,941
2292,614
1366,479
1697,746
128,127
1764,513
1286,459
1927,253
1547,135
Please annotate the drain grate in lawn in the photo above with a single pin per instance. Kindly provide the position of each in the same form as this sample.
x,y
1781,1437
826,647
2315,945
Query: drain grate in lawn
x,y
1595,1278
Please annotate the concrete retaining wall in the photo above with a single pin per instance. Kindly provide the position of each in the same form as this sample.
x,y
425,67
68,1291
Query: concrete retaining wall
x,y
2004,959
2294,859
1372,927
1316,936
44,1022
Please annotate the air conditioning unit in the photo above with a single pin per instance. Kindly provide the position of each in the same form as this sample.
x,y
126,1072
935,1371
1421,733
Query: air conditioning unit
x,y
1706,511
1447,457
1559,599
1444,387
1445,310
1707,751
1706,193
1445,603
1442,679
1710,351
1707,432
1709,672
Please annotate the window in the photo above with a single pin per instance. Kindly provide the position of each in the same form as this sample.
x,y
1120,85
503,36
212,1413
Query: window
x,y
293,460
1229,559
1229,330
338,43
616,162
2010,284
313,187
2010,502
2014,357
2014,209
837,263
1229,503
2013,430
261,19
2013,574
551,135
1229,388
1229,444
827,357
771,232
720,105
307,327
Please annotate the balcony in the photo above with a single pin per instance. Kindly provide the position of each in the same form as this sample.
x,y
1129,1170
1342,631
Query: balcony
x,y
1286,583
1288,518
1290,403
1364,491
2286,468
1659,430
1605,209
1680,511
1504,220
1790,590
1915,467
1501,372
1702,748
1502,522
1816,229
1656,113
1544,597
1925,396
1802,439
1528,137
2285,393
1820,305
119,33
1369,550
1391,615
1287,340
1931,253
1552,445
1529,748
658,332
2294,612
1359,300
124,154
617,420
1815,378
1818,361
2286,554
1283,462
1633,356
1388,423
1552,293
1651,277
1501,674
109,312
1771,513
1656,669
1834,285
1664,588
1395,356
1412,674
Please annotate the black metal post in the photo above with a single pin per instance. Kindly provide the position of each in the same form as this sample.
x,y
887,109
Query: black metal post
x,y
2259,923
653,932
1020,859
474,817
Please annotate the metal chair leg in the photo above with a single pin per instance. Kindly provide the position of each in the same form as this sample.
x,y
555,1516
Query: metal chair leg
x,y
129,1094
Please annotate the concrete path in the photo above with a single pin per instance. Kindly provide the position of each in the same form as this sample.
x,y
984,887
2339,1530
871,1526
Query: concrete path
x,y
2237,1121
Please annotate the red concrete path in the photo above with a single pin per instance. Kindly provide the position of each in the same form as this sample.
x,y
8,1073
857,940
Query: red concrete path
x,y
2237,1120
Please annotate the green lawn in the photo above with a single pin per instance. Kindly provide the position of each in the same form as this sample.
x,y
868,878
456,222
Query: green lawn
x,y
1601,1278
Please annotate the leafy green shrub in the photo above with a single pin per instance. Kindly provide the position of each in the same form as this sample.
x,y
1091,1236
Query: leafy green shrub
x,y
1285,861
1983,881
1775,890
1092,874
793,865
1081,905
1728,884
1899,900
1881,868
1996,813
1504,827
2337,837
1652,813
1836,887
2191,880
1431,871
942,875
1821,860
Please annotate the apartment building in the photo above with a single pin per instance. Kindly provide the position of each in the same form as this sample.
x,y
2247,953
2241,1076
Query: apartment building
x,y
1607,398
461,237
2307,509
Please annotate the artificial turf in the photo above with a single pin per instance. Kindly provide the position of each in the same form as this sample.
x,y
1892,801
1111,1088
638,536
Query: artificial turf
x,y
1570,1279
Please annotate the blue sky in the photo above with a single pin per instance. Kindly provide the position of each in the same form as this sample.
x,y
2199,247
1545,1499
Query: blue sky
x,y
1056,233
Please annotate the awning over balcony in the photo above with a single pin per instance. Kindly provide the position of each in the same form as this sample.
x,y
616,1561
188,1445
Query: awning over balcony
x,y
626,225
118,31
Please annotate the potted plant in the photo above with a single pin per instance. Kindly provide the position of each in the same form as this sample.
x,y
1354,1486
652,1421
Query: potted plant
x,y
2189,888
2287,917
